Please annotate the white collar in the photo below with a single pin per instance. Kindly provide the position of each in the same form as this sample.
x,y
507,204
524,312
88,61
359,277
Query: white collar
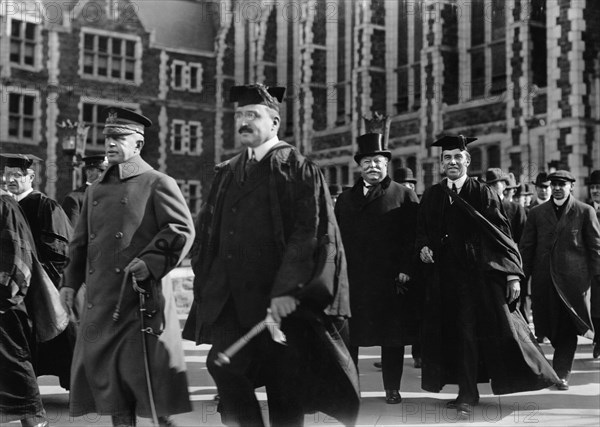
x,y
459,182
262,150
24,194
560,202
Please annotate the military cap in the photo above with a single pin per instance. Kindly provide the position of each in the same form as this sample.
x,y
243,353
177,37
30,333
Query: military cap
x,y
404,175
371,144
121,121
257,94
493,175
96,161
541,180
23,161
594,179
561,175
452,142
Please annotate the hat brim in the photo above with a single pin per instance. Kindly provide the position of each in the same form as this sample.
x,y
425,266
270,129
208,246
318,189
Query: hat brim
x,y
387,154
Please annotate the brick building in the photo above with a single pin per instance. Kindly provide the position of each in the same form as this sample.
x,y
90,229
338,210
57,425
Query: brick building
x,y
521,75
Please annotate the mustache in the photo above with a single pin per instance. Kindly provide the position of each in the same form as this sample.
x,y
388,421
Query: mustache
x,y
245,129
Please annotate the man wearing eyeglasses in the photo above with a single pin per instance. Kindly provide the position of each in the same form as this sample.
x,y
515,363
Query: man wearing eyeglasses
x,y
267,221
377,219
560,247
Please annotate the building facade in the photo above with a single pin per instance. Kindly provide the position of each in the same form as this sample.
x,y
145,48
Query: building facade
x,y
521,75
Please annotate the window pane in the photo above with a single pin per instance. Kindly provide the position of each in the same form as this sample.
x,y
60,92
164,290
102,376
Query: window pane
x,y
29,54
16,29
13,103
88,113
102,44
88,42
478,20
102,65
28,105
15,51
28,128
116,68
116,46
178,75
129,67
30,31
13,126
477,73
88,63
498,19
130,48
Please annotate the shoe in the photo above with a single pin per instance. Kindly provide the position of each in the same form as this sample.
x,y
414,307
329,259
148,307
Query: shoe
x,y
166,422
418,363
596,352
542,340
378,365
563,384
453,404
464,410
392,397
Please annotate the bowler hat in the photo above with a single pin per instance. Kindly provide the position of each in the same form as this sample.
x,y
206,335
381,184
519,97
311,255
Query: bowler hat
x,y
493,175
524,190
404,175
96,161
541,180
594,177
371,144
561,175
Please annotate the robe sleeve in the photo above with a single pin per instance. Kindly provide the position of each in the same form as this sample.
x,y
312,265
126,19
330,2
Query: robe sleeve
x,y
53,242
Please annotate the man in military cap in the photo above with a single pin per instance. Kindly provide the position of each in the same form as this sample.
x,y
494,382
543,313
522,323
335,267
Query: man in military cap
x,y
594,189
405,177
93,167
260,241
377,219
134,228
542,189
472,271
561,253
51,231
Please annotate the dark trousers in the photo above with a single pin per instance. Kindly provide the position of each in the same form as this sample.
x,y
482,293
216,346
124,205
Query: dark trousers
x,y
596,324
260,362
392,365
564,341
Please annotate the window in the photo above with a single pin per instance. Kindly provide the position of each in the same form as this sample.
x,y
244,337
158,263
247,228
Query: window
x,y
21,116
186,137
23,38
186,76
408,72
191,191
109,57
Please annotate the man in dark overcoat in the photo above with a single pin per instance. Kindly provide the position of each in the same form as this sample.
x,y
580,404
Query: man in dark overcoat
x,y
377,219
51,231
515,213
472,270
134,224
267,239
73,202
561,253
542,190
594,189
19,393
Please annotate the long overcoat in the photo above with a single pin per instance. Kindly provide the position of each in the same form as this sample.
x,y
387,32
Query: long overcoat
x,y
378,232
73,203
563,255
595,300
131,211
508,355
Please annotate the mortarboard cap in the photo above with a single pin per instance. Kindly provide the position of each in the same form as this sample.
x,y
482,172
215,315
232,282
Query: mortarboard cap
x,y
23,161
561,175
257,94
121,121
96,161
452,142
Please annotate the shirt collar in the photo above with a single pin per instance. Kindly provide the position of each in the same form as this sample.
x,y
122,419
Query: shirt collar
x,y
262,150
24,194
561,202
459,182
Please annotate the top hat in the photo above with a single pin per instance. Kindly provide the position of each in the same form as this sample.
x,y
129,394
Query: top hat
x,y
257,94
561,175
97,161
404,175
594,177
22,161
371,144
451,142
121,121
541,180
493,175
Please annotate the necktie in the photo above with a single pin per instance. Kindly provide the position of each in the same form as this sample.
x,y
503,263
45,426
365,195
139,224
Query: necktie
x,y
455,190
250,163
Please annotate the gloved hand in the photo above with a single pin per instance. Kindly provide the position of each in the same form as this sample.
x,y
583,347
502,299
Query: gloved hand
x,y
67,295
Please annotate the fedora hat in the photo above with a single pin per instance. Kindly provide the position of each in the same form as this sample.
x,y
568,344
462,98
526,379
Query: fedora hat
x,y
541,180
371,144
404,175
594,178
493,175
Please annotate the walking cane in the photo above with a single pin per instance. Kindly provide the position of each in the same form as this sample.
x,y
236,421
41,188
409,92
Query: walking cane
x,y
142,297
224,358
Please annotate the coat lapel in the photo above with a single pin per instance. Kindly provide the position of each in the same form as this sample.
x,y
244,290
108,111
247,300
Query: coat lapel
x,y
547,213
566,216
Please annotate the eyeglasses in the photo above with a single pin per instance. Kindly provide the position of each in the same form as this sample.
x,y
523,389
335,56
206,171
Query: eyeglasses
x,y
248,115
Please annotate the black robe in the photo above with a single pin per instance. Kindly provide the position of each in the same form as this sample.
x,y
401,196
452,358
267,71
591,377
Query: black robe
x,y
19,393
508,354
378,232
311,266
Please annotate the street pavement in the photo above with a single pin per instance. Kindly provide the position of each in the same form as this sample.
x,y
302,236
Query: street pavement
x,y
579,406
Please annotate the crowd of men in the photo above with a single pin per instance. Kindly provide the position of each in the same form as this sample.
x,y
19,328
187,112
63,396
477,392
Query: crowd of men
x,y
458,273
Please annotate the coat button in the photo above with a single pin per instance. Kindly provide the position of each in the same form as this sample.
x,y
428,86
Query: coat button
x,y
234,210
91,271
124,200
229,256
95,203
117,270
119,235
92,236
90,305
231,232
